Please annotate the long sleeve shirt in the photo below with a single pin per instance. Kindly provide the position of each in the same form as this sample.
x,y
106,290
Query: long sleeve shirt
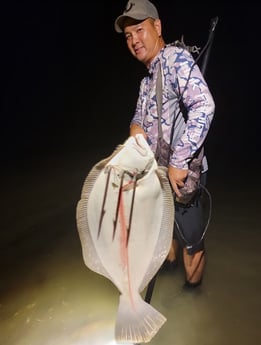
x,y
181,78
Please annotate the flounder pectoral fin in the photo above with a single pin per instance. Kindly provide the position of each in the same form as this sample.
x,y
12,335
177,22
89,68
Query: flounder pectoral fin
x,y
137,323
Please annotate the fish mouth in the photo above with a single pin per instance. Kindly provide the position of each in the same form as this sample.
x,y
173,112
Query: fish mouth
x,y
140,141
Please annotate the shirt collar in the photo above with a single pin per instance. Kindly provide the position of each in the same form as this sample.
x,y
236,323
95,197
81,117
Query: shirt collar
x,y
155,62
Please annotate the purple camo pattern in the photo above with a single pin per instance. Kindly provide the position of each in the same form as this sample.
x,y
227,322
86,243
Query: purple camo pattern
x,y
178,66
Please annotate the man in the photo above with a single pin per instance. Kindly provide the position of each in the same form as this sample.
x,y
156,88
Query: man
x,y
185,132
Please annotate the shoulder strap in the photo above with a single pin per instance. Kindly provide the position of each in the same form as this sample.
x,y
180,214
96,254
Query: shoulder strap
x,y
159,108
161,145
159,99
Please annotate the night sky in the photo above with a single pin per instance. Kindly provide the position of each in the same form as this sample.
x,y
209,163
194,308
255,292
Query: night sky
x,y
69,82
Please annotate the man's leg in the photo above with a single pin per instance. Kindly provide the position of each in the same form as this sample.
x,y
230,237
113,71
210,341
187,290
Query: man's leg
x,y
194,265
190,224
173,253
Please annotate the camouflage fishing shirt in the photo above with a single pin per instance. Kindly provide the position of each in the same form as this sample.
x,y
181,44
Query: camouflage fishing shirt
x,y
180,76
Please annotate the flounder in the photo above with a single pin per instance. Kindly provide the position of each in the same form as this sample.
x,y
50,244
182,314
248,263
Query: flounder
x,y
125,222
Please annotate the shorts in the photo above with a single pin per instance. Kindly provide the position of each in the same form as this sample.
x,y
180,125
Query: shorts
x,y
190,222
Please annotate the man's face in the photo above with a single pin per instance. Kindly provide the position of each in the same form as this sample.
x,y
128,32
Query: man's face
x,y
143,38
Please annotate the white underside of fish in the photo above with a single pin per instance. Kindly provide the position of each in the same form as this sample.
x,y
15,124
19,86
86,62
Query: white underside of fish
x,y
125,221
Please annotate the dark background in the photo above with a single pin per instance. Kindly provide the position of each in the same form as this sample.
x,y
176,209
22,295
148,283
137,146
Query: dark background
x,y
68,92
70,85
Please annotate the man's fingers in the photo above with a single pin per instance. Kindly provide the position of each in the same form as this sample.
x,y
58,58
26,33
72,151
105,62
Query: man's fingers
x,y
180,184
176,189
176,186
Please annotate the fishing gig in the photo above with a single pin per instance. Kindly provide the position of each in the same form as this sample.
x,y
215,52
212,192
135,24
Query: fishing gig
x,y
125,222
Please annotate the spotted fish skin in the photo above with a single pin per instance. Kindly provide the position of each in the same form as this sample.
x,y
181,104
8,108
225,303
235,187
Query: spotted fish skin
x,y
125,222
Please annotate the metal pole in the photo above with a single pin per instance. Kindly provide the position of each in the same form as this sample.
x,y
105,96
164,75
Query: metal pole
x,y
213,24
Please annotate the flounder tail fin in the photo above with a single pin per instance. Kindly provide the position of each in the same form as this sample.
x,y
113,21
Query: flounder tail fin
x,y
137,324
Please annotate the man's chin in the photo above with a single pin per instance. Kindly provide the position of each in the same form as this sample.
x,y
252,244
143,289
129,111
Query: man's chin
x,y
141,58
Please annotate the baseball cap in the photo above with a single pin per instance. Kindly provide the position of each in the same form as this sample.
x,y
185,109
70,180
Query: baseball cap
x,y
136,9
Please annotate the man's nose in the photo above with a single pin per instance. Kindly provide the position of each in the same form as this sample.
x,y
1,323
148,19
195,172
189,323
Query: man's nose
x,y
135,39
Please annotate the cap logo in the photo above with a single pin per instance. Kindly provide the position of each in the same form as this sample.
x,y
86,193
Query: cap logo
x,y
129,6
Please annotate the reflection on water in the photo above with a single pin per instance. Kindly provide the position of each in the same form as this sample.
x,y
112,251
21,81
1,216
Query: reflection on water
x,y
57,301
49,297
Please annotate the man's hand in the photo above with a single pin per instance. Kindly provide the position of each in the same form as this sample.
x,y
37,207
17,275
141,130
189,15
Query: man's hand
x,y
135,129
177,178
